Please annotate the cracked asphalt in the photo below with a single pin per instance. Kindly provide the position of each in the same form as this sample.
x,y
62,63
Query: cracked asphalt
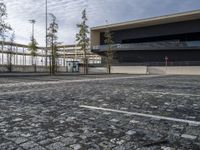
x,y
44,113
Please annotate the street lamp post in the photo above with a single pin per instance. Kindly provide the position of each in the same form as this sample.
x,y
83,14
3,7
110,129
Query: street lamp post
x,y
33,23
46,15
2,49
33,39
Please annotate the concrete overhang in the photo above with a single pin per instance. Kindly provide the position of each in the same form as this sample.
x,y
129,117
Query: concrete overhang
x,y
173,18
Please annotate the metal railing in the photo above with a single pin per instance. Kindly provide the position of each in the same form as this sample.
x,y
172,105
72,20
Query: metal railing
x,y
19,55
170,63
150,45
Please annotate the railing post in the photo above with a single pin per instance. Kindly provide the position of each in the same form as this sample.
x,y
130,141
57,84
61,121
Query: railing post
x,y
2,52
23,56
16,55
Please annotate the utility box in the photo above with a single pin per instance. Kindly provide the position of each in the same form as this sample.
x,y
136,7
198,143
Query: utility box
x,y
72,66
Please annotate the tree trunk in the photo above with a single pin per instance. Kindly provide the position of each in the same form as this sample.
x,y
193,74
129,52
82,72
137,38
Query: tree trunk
x,y
85,65
35,67
50,68
53,64
10,68
109,59
53,61
109,69
32,61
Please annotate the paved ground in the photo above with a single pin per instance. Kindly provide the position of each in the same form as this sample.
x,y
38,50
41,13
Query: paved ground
x,y
129,112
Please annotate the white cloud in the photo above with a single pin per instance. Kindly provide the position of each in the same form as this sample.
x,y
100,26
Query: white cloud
x,y
68,13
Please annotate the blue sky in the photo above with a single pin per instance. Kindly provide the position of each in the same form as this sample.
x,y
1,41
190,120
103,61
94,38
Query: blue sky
x,y
68,13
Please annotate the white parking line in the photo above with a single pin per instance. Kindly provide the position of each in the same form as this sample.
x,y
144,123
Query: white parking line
x,y
169,93
25,91
142,115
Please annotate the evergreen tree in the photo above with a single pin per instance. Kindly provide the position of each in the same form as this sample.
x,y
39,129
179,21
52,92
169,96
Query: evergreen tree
x,y
10,52
32,46
83,39
109,53
52,41
4,27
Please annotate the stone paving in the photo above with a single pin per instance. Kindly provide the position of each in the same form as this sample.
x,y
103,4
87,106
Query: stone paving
x,y
44,113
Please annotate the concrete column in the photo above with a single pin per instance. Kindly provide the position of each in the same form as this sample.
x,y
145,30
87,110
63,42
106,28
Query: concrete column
x,y
25,60
23,57
65,57
16,55
2,53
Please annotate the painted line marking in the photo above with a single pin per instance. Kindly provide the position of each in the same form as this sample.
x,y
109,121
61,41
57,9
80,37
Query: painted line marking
x,y
142,115
168,93
25,91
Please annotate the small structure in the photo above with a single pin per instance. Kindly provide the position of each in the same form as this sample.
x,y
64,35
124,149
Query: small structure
x,y
72,66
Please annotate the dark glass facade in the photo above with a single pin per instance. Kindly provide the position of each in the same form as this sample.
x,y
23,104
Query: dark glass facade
x,y
150,45
183,31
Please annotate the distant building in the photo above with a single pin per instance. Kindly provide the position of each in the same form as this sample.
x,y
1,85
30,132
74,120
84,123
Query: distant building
x,y
175,38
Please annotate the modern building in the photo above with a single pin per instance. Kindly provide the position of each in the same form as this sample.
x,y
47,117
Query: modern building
x,y
172,39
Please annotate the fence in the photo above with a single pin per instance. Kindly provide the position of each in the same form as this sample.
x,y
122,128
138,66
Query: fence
x,y
169,63
19,55
151,45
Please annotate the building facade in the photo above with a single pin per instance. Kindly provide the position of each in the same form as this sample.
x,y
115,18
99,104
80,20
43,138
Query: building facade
x,y
172,39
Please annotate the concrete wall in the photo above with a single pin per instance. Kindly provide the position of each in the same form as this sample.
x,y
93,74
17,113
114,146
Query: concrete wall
x,y
4,68
102,70
190,70
95,38
62,69
176,70
129,69
117,69
184,70
94,70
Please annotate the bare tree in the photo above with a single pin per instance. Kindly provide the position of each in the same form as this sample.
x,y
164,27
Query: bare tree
x,y
109,53
83,39
52,41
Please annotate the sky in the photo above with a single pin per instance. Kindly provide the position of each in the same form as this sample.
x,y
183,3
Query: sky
x,y
68,13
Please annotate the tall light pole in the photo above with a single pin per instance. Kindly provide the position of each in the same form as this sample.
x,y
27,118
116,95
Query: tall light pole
x,y
2,48
33,39
33,23
46,31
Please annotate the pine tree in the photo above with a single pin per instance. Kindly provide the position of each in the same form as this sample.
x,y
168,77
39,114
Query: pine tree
x,y
52,41
109,53
10,52
32,46
83,39
4,27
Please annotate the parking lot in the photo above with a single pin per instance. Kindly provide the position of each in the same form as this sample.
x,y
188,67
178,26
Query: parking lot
x,y
100,112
